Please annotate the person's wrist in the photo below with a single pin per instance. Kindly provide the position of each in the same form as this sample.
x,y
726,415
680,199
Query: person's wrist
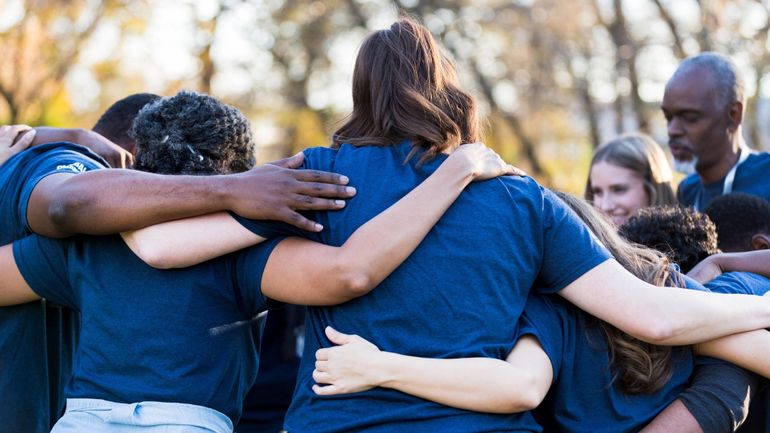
x,y
223,191
383,373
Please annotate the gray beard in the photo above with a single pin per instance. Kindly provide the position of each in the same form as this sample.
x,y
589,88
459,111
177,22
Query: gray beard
x,y
685,167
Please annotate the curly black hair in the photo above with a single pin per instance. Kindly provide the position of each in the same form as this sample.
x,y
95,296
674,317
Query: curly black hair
x,y
192,133
116,121
738,217
683,234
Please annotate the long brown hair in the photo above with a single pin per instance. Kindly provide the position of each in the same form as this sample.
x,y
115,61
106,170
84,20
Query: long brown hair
x,y
641,367
405,88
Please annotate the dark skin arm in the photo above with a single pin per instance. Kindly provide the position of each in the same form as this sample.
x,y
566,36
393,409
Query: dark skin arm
x,y
675,418
110,201
757,262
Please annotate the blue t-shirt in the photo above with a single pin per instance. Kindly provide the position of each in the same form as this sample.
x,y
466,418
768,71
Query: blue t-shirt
x,y
36,339
583,396
150,334
751,177
460,294
740,283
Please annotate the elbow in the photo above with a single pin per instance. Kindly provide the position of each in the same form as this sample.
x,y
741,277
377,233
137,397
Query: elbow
x,y
151,254
660,330
525,394
64,209
354,279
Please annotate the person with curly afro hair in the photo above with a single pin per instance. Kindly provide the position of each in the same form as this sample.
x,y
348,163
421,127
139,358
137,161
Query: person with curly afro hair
x,y
742,221
683,234
192,133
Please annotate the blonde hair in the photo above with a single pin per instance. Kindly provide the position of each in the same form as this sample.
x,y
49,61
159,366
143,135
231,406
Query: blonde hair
x,y
642,155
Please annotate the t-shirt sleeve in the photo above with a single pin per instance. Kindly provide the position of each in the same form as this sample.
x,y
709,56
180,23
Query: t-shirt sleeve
x,y
42,262
250,266
269,229
740,283
542,320
64,160
569,248
718,394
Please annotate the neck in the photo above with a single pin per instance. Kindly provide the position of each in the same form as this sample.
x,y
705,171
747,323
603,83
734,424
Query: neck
x,y
719,170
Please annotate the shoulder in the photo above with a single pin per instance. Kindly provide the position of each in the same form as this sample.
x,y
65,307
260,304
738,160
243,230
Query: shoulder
x,y
689,182
319,158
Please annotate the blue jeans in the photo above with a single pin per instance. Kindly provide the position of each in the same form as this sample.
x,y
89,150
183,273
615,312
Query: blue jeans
x,y
86,415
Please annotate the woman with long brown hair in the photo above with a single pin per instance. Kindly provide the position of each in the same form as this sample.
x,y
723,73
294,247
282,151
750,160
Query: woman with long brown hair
x,y
582,374
462,292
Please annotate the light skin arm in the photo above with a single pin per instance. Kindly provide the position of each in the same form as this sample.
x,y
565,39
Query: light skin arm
x,y
674,419
486,385
661,315
749,350
332,275
110,201
187,242
14,289
14,139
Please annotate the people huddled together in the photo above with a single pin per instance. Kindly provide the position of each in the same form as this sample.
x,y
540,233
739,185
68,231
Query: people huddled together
x,y
154,279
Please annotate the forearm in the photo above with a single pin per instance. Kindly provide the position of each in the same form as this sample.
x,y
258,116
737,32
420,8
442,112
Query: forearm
x,y
757,262
477,384
374,250
674,419
661,315
750,350
110,201
45,134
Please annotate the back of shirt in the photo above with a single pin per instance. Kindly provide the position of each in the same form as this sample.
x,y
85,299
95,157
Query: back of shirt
x,y
459,294
36,339
744,283
750,178
585,397
177,335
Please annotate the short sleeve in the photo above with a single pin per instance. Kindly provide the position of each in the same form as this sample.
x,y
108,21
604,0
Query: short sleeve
x,y
542,320
250,266
66,158
43,262
569,248
269,229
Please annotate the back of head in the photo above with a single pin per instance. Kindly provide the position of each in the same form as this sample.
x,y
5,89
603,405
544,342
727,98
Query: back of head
x,y
643,156
728,79
641,367
192,133
683,234
405,88
738,218
116,122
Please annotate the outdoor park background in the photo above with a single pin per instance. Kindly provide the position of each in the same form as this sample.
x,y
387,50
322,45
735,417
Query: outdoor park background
x,y
554,78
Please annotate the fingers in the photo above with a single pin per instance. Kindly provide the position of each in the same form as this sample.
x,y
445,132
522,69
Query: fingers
x,y
24,141
326,190
321,377
337,337
321,177
297,220
293,161
322,355
327,390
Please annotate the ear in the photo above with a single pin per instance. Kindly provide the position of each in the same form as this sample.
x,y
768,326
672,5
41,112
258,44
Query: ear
x,y
760,242
734,116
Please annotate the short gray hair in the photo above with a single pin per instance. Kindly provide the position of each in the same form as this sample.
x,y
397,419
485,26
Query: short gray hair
x,y
729,80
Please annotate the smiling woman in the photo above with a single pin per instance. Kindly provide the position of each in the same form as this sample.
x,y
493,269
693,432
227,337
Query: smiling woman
x,y
628,173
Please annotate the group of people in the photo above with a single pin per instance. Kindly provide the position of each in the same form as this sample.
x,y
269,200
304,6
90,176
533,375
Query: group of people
x,y
444,289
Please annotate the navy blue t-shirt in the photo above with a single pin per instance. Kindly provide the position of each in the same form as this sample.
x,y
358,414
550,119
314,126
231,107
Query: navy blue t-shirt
x,y
460,294
751,177
150,334
740,283
36,339
583,396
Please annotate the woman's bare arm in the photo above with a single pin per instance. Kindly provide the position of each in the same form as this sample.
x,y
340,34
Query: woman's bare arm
x,y
480,384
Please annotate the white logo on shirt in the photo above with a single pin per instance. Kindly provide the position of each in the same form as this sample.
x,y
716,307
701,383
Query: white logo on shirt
x,y
75,167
